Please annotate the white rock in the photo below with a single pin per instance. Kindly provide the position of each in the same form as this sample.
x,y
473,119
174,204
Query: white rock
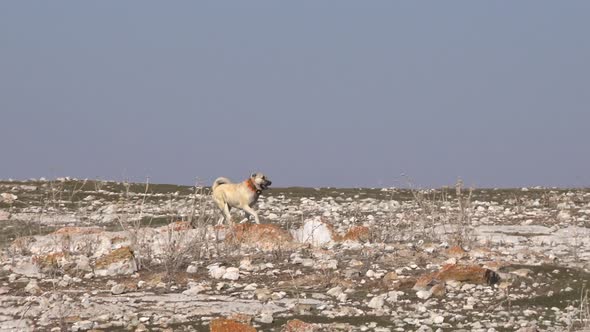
x,y
278,295
4,215
231,273
246,265
118,289
263,294
83,263
467,287
377,302
454,284
103,318
335,291
563,216
251,287
27,269
216,272
83,325
313,231
194,290
8,198
438,319
451,261
423,294
265,318
122,267
32,287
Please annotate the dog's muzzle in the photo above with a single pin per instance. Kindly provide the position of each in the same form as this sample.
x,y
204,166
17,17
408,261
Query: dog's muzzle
x,y
266,184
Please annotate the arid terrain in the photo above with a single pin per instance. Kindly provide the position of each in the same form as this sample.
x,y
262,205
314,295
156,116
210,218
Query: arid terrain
x,y
83,255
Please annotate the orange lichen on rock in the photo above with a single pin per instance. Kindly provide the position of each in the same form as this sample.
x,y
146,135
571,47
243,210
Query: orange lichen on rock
x,y
228,325
456,251
296,325
465,273
177,226
48,261
260,235
77,230
426,280
468,273
117,255
357,233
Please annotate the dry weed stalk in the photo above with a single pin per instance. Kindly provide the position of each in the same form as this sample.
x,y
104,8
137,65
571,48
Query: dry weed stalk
x,y
584,309
463,233
438,208
181,246
133,226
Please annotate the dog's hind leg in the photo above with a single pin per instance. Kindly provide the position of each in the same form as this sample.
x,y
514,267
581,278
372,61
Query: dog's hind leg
x,y
226,213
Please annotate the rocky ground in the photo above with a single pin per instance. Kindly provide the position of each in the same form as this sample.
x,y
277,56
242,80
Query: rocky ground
x,y
107,256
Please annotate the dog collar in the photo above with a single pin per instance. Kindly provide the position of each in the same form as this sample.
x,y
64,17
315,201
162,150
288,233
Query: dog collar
x,y
252,187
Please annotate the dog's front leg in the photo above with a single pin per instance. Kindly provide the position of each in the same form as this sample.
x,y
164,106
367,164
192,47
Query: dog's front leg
x,y
220,221
246,217
253,213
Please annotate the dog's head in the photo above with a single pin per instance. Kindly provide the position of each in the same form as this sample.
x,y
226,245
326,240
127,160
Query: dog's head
x,y
260,181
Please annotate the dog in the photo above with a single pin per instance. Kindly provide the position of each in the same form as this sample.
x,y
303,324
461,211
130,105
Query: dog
x,y
241,195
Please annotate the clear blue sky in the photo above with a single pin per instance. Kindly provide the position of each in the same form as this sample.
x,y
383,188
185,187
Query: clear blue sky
x,y
313,93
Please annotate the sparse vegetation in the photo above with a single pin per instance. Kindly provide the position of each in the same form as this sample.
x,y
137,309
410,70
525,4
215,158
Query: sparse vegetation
x,y
109,239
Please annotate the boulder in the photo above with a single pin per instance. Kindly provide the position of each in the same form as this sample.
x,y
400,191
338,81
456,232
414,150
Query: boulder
x,y
315,232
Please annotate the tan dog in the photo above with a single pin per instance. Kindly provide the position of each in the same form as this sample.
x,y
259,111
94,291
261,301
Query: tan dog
x,y
241,195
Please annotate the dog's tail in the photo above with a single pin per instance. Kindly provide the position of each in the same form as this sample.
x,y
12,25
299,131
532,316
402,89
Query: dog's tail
x,y
219,181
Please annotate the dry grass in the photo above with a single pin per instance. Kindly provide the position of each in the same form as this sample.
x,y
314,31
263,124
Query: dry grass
x,y
434,209
132,225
